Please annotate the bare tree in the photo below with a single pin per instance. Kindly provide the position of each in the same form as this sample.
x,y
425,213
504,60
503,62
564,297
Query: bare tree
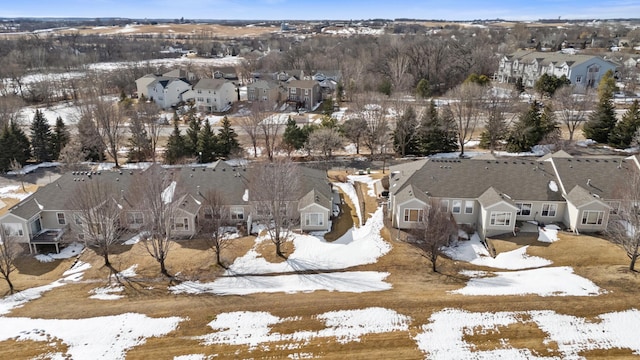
x,y
71,156
10,250
325,140
273,188
624,229
97,207
159,196
572,109
354,130
216,216
377,129
434,229
271,128
467,101
147,113
251,124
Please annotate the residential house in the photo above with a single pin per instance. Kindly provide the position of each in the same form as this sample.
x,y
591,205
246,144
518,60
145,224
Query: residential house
x,y
287,75
168,92
214,95
227,73
498,196
167,89
305,93
529,65
50,216
264,90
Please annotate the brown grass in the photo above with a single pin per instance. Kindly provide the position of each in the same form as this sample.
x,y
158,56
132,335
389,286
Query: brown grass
x,y
417,292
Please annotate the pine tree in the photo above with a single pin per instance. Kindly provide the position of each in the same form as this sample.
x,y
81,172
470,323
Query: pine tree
x,y
175,146
139,142
41,138
227,139
90,139
293,137
436,132
549,130
59,138
15,146
207,144
602,120
526,132
624,131
404,136
192,135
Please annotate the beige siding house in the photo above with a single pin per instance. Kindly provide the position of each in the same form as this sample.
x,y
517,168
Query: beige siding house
x,y
214,95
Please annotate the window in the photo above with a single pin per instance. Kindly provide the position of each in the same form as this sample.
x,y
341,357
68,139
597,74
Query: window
x,y
549,210
313,219
200,99
135,218
468,207
592,217
306,91
61,219
444,205
13,229
413,215
524,209
500,218
237,213
77,218
181,224
578,79
293,90
456,206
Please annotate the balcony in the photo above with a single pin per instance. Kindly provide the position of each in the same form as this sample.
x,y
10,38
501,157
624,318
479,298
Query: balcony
x,y
47,237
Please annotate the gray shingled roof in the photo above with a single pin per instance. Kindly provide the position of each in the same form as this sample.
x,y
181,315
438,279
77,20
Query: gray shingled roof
x,y
579,196
491,197
314,182
209,84
600,176
545,58
469,179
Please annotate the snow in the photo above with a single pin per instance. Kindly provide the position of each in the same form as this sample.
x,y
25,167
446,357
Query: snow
x,y
367,180
553,186
30,168
107,293
255,328
354,282
78,267
167,194
474,252
129,272
68,111
444,337
70,251
359,246
136,239
553,281
350,191
11,191
245,196
586,143
548,234
106,337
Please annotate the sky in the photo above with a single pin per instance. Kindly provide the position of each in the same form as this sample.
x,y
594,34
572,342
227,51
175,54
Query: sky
x,y
324,9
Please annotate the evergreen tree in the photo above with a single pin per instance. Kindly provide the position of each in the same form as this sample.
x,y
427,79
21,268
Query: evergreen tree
x,y
41,138
15,146
139,142
227,139
548,84
603,119
293,137
527,131
191,145
436,132
404,136
208,148
549,129
90,139
422,89
625,131
175,146
59,138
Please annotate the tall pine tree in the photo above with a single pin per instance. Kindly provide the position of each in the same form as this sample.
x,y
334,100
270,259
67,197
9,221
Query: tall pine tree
x,y
15,146
59,138
207,144
41,138
191,144
603,118
526,132
625,131
436,132
139,142
404,136
90,139
227,139
175,146
293,137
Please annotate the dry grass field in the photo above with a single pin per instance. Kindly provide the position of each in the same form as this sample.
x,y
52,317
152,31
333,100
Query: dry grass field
x,y
215,30
416,292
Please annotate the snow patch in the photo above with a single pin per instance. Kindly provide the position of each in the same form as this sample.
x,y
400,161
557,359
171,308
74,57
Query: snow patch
x,y
70,251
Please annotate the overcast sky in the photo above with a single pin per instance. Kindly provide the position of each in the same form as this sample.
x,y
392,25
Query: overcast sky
x,y
324,9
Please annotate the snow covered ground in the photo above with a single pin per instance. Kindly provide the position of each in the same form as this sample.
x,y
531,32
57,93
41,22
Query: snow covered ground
x,y
70,251
444,336
12,191
251,272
